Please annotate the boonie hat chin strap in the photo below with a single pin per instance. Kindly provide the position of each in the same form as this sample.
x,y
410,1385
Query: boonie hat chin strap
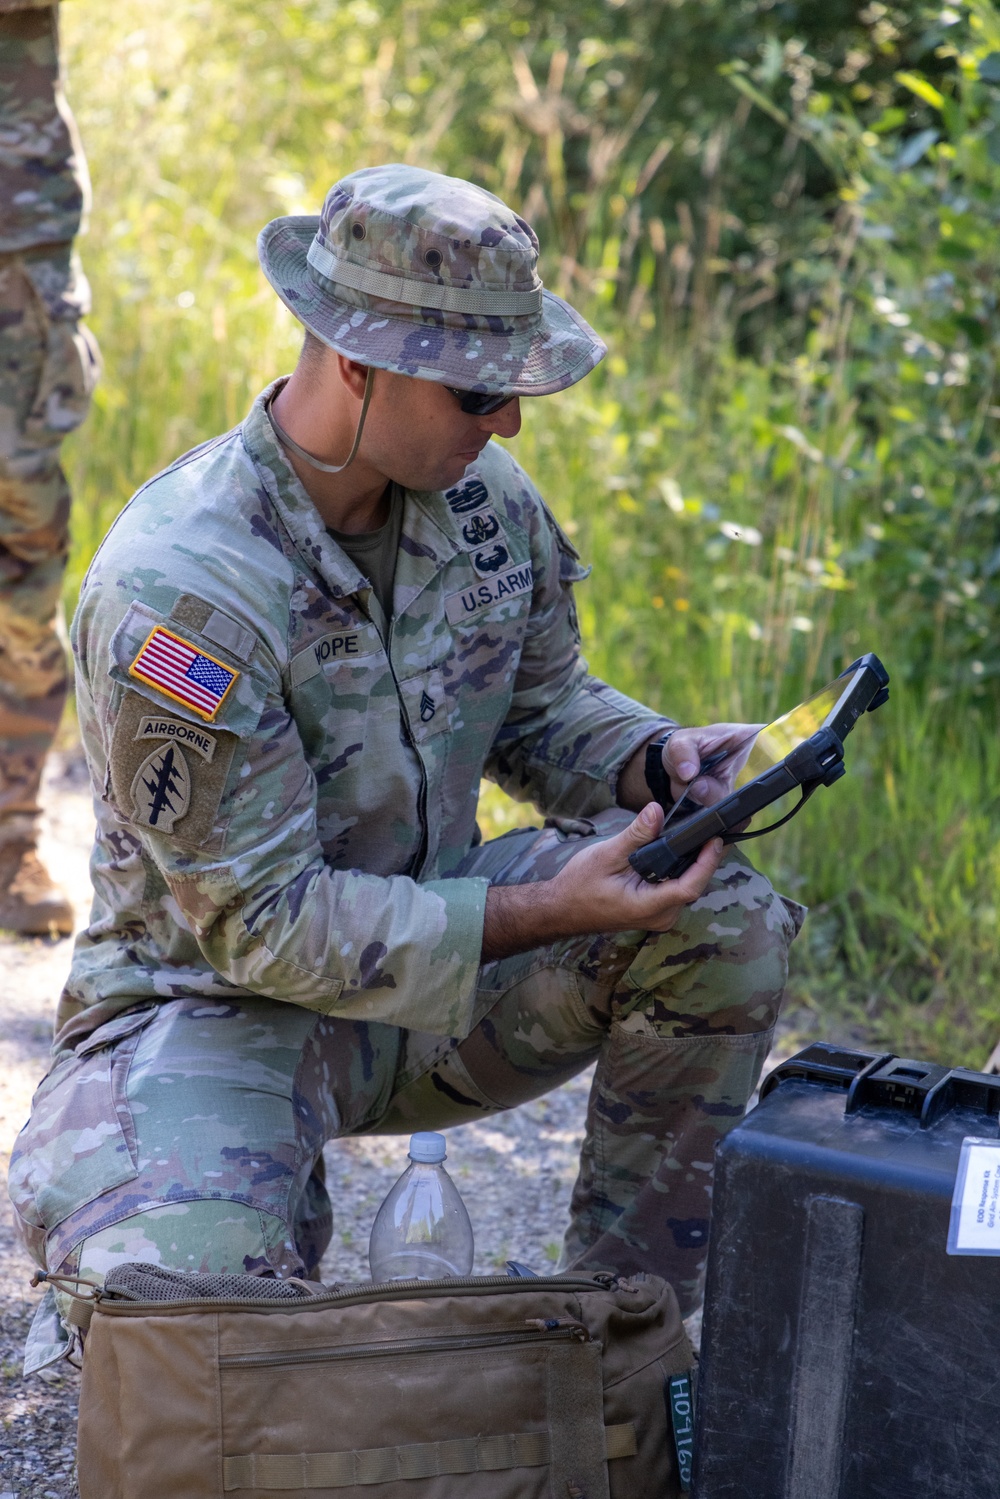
x,y
326,468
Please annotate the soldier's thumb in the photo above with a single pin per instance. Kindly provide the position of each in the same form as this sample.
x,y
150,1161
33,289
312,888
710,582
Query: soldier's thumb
x,y
645,827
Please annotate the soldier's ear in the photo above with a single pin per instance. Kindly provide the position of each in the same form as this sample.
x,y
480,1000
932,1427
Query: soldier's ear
x,y
353,374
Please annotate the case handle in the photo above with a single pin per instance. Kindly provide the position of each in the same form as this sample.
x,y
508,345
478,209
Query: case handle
x,y
873,1080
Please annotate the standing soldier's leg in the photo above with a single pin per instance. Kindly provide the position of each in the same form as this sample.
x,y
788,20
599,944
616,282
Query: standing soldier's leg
x,y
48,368
680,1025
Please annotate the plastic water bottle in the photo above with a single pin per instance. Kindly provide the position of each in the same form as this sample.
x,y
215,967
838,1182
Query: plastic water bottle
x,y
422,1230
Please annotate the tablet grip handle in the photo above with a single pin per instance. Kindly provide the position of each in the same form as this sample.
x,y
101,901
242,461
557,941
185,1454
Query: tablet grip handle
x,y
817,761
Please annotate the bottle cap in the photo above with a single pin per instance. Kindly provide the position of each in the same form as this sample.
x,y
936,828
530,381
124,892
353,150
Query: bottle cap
x,y
428,1147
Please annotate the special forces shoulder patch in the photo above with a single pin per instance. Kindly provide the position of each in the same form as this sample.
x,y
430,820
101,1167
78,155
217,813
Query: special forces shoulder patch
x,y
167,774
161,789
183,672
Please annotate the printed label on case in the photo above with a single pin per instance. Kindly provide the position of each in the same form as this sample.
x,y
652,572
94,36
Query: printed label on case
x,y
975,1206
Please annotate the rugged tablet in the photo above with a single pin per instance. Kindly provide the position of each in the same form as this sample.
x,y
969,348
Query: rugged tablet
x,y
800,751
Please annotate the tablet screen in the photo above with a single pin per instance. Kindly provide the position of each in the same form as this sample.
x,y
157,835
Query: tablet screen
x,y
775,766
778,739
765,747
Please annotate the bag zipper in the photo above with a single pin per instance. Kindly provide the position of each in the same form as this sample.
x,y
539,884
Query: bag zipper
x,y
388,1290
573,1332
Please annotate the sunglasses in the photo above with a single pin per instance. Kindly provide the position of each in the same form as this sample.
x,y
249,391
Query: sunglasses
x,y
480,402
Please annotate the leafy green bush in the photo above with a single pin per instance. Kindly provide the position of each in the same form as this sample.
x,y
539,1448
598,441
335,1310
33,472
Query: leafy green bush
x,y
914,260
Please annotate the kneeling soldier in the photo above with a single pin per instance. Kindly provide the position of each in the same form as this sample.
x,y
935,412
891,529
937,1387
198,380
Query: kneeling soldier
x,y
299,649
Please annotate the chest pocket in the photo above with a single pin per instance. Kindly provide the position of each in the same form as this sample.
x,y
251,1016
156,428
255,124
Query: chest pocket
x,y
340,689
348,645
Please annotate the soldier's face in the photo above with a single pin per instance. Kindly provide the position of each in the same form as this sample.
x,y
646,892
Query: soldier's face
x,y
418,434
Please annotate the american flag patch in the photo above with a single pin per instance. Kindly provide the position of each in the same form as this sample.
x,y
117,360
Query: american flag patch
x,y
183,672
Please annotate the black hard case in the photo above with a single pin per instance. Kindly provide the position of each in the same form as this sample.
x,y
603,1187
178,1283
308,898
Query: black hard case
x,y
846,1355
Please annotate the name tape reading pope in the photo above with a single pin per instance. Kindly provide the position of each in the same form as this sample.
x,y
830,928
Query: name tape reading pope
x,y
332,649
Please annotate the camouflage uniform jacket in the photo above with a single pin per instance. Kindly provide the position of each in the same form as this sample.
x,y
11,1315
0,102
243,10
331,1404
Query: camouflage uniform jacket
x,y
293,845
44,184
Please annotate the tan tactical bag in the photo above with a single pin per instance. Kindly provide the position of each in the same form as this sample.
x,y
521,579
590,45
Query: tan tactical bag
x,y
199,1387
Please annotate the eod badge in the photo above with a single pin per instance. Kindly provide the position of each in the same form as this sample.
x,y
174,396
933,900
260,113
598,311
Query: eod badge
x,y
481,528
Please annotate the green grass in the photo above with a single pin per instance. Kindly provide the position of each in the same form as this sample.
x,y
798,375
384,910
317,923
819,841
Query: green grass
x,y
899,861
732,508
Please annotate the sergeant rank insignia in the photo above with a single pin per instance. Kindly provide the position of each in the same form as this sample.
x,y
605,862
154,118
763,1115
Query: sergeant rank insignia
x,y
183,672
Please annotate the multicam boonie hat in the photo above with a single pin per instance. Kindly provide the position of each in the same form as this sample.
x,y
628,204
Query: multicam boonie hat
x,y
430,276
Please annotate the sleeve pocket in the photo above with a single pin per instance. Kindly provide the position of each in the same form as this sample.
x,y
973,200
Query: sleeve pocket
x,y
240,709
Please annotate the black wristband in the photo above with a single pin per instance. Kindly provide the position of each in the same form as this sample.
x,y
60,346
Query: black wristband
x,y
656,776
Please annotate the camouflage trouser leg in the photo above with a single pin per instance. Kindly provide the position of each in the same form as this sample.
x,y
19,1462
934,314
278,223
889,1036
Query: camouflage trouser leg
x,y
48,368
679,1023
186,1133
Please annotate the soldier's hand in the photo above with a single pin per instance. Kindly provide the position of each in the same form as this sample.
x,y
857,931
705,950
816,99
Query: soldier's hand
x,y
596,891
688,749
603,893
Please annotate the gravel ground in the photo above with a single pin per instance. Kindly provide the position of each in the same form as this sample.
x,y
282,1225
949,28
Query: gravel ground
x,y
37,1415
515,1172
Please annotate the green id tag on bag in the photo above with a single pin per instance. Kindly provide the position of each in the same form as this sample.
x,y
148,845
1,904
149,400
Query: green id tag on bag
x,y
681,1399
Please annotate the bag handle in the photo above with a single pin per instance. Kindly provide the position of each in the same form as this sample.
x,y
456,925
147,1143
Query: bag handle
x,y
342,1470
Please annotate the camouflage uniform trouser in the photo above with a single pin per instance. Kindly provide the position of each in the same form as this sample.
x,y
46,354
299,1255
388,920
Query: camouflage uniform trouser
x,y
48,368
185,1133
